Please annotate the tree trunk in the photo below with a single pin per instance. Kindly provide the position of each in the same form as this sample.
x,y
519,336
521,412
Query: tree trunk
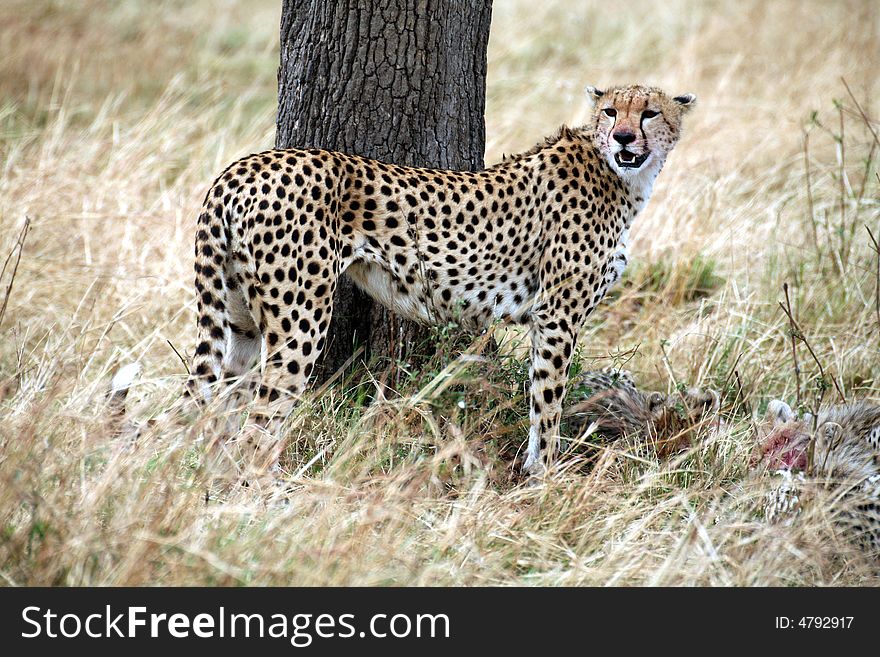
x,y
403,81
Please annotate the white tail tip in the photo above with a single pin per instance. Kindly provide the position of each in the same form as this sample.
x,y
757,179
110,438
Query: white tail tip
x,y
124,377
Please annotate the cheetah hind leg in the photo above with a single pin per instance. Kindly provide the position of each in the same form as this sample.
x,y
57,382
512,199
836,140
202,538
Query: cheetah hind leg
x,y
235,454
294,338
242,354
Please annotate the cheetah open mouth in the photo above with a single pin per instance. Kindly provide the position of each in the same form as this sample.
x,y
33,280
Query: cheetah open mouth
x,y
628,160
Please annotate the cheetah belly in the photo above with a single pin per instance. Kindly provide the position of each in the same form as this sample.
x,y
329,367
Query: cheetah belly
x,y
473,308
383,286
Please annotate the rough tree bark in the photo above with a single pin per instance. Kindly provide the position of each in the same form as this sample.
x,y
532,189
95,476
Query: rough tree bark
x,y
401,81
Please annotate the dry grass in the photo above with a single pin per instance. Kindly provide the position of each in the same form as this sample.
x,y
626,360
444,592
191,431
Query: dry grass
x,y
115,117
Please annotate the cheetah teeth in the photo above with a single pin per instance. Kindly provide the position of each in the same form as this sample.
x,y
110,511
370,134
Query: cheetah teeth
x,y
630,160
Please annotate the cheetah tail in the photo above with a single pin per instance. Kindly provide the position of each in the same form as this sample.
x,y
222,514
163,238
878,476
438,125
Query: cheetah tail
x,y
119,386
211,252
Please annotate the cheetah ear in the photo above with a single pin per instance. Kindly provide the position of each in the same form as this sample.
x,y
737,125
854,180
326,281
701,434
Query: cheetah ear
x,y
686,101
655,400
779,412
832,432
594,94
713,401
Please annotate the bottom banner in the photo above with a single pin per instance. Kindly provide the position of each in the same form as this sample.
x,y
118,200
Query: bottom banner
x,y
434,620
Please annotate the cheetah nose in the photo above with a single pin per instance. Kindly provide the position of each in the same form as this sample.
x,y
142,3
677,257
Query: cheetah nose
x,y
624,137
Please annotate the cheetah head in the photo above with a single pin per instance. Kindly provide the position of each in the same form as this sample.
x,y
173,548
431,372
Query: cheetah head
x,y
783,439
636,127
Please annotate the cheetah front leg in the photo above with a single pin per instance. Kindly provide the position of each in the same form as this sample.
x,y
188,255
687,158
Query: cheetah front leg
x,y
553,341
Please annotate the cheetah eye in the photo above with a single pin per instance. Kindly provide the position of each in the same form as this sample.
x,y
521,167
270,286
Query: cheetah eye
x,y
649,114
610,111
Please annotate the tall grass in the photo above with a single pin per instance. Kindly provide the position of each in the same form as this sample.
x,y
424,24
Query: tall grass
x,y
114,118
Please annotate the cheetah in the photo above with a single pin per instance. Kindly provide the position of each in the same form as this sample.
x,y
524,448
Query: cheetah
x,y
537,239
615,407
838,449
